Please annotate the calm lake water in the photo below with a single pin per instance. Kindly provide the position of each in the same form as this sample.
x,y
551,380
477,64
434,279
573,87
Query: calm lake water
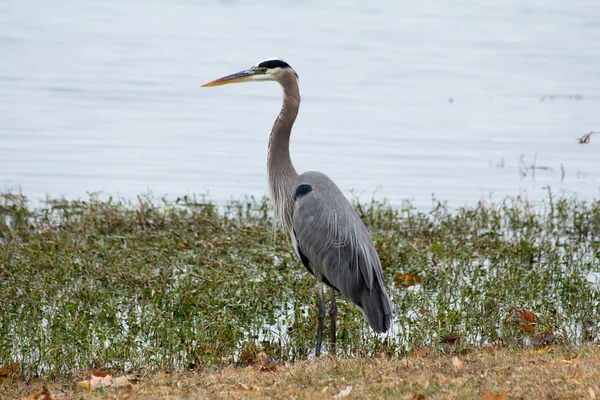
x,y
400,99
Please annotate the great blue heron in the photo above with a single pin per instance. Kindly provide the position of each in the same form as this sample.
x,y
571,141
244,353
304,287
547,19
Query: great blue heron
x,y
328,236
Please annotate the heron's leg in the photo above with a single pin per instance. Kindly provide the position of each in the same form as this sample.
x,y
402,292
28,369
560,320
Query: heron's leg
x,y
333,316
321,318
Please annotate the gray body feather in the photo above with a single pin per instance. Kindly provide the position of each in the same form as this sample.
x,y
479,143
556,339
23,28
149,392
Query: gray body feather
x,y
337,248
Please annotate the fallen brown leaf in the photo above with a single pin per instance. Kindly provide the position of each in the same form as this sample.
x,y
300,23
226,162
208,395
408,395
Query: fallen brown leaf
x,y
592,393
405,280
493,346
261,363
418,396
492,396
249,354
120,381
100,380
8,369
458,364
261,359
419,353
270,367
527,316
99,374
450,339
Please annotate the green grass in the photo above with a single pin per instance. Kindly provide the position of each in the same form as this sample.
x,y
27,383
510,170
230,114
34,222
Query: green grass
x,y
161,285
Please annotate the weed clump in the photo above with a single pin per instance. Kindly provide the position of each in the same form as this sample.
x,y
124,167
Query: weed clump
x,y
167,284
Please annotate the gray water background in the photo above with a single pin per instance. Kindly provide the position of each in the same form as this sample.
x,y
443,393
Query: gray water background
x,y
400,99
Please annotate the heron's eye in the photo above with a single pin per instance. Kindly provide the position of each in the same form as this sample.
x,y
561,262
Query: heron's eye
x,y
263,70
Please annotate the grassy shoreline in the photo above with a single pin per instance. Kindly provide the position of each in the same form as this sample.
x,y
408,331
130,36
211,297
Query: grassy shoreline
x,y
164,285
549,373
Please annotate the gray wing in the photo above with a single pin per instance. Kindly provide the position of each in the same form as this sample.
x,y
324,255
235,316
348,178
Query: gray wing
x,y
336,247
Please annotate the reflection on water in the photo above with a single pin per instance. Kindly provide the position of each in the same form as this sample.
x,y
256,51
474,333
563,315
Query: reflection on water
x,y
404,100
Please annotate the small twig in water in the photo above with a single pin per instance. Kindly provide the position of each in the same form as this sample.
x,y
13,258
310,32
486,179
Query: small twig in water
x,y
526,166
585,139
575,96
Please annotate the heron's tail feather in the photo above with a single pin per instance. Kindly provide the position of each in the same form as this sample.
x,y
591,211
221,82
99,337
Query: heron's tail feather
x,y
377,308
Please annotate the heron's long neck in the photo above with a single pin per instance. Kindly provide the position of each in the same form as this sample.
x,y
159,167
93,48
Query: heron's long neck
x,y
282,174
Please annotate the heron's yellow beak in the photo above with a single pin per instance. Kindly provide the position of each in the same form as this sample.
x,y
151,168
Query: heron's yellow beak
x,y
242,76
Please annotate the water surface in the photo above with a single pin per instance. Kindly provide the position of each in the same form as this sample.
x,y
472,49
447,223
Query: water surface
x,y
400,99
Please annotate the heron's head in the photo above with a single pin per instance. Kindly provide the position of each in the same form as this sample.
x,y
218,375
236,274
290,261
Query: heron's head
x,y
272,69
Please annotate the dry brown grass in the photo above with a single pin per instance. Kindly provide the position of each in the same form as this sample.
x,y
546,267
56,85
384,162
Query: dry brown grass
x,y
551,373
